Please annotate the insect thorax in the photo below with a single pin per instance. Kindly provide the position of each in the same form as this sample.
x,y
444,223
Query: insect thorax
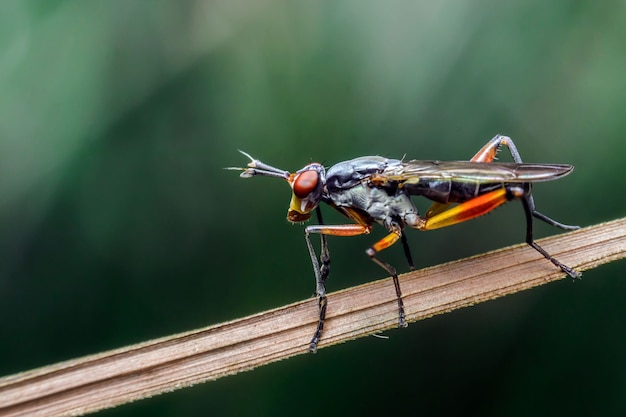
x,y
382,205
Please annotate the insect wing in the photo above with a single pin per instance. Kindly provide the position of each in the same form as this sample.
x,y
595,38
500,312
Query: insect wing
x,y
474,171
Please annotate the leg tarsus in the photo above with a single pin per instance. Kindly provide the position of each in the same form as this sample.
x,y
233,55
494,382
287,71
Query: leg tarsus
x,y
569,271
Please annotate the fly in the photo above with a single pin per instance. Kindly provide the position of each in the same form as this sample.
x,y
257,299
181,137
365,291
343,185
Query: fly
x,y
374,189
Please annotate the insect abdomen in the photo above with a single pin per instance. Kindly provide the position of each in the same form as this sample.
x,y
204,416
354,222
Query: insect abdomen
x,y
450,191
434,189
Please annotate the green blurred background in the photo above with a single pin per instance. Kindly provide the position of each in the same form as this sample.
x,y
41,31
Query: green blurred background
x,y
118,223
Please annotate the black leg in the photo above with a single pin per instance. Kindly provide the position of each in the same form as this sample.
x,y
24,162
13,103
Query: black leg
x,y
550,221
529,208
321,274
407,252
324,254
371,252
530,212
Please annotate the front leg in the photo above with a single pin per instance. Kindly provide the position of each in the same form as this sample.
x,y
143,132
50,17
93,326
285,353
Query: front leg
x,y
321,273
320,289
324,254
352,230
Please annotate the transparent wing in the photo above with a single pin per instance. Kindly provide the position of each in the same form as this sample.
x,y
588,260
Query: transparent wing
x,y
474,171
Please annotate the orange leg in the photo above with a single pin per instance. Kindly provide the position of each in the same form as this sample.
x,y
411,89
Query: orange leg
x,y
340,230
488,152
472,208
489,201
387,241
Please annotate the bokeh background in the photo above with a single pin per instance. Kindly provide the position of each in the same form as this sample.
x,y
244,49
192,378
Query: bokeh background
x,y
118,223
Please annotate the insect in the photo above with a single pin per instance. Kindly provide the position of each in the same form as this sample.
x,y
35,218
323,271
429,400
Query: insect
x,y
374,189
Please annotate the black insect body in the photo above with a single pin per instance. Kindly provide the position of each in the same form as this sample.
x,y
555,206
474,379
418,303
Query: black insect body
x,y
373,189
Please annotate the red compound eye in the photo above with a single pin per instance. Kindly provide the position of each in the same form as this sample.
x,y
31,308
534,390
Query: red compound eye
x,y
305,183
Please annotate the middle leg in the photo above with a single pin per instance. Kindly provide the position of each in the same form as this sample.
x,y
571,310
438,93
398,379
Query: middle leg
x,y
384,243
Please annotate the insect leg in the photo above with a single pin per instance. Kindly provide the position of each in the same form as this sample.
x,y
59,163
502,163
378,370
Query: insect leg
x,y
530,212
321,273
484,204
384,243
465,211
547,219
488,154
320,292
407,252
324,254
